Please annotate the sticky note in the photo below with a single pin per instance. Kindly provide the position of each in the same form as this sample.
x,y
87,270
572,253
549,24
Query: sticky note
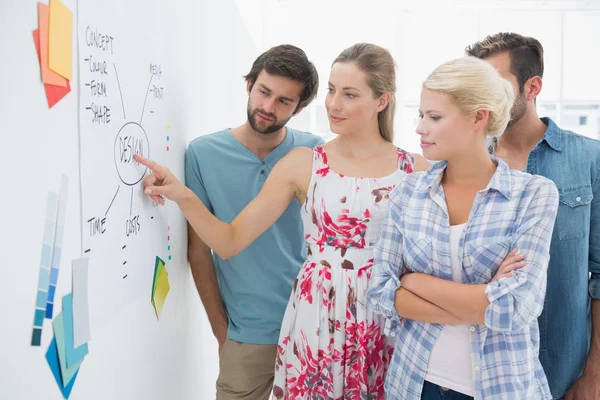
x,y
52,358
74,354
162,289
81,314
53,93
60,39
66,373
48,76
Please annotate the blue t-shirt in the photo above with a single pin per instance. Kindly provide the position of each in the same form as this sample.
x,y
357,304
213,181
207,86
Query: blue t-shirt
x,y
256,284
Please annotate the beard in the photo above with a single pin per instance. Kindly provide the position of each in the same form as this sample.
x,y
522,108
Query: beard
x,y
518,109
261,126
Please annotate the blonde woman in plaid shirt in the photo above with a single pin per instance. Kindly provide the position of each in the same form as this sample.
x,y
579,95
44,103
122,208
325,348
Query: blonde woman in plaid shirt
x,y
461,301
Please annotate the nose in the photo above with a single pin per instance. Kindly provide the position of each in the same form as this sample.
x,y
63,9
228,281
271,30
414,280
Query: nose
x,y
420,128
269,106
335,102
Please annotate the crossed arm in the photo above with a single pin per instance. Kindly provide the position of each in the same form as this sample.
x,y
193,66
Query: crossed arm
x,y
504,304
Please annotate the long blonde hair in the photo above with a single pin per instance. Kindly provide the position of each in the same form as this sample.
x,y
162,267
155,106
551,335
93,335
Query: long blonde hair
x,y
380,68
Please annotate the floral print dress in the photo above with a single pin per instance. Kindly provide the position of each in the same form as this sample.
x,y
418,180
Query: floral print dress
x,y
331,344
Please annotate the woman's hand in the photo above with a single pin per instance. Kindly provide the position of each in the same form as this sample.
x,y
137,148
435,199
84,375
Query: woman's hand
x,y
512,262
161,183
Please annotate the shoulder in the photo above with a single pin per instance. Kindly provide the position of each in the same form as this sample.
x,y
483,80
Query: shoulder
x,y
408,187
209,142
571,137
298,156
580,146
412,162
304,139
536,187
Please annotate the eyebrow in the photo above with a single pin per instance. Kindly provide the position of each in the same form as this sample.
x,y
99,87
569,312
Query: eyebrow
x,y
346,88
281,97
429,111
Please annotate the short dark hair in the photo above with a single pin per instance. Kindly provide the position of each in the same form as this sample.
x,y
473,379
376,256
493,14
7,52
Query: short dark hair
x,y
526,54
289,62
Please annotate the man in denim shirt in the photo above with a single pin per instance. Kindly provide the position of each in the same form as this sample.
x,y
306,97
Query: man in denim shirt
x,y
570,322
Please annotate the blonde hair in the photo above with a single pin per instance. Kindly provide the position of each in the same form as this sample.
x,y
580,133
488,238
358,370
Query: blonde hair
x,y
377,63
475,85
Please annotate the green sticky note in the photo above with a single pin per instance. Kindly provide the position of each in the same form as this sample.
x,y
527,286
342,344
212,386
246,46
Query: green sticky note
x,y
159,265
66,373
74,354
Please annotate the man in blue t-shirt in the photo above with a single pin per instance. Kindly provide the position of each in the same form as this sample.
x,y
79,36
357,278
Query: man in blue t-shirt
x,y
245,296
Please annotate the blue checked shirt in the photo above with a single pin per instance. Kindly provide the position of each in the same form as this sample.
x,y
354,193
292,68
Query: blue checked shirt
x,y
515,210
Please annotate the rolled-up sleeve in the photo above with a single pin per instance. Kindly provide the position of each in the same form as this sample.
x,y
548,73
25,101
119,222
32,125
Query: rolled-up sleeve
x,y
387,264
515,302
594,257
193,178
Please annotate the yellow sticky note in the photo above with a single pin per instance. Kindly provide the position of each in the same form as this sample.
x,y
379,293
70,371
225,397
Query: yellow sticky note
x,y
60,39
48,76
162,289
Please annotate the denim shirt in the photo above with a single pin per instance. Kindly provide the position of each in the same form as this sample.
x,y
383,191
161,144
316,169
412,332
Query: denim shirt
x,y
573,162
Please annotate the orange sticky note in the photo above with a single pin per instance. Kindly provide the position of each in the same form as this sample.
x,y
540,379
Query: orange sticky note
x,y
48,76
60,39
54,93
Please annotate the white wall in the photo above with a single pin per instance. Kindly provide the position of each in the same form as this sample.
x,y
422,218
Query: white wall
x,y
132,355
212,50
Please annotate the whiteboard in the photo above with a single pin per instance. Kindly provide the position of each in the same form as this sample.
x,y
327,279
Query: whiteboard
x,y
122,111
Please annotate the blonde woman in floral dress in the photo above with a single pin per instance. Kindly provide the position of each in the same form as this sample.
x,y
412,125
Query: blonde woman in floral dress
x,y
331,343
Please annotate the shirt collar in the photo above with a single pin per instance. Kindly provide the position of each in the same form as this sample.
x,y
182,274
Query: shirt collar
x,y
553,134
501,181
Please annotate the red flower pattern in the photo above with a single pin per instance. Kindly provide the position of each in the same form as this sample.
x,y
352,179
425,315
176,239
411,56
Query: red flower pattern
x,y
332,346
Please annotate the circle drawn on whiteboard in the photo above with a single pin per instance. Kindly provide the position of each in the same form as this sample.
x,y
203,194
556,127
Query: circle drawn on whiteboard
x,y
131,139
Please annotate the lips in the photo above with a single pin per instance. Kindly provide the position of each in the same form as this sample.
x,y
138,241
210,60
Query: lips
x,y
336,119
264,117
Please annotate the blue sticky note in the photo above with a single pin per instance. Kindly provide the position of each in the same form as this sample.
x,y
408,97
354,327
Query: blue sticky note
x,y
74,355
52,358
54,276
36,337
44,281
39,318
41,299
49,310
51,291
46,255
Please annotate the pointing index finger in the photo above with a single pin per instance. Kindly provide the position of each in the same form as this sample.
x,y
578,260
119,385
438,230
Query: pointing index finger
x,y
148,163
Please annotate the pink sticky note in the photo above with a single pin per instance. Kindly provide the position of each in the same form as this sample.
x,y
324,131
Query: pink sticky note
x,y
54,93
48,76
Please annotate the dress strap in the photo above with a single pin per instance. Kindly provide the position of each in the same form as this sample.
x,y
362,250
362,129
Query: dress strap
x,y
320,164
406,161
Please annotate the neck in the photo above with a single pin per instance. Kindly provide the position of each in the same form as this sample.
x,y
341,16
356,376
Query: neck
x,y
474,168
258,143
362,145
524,134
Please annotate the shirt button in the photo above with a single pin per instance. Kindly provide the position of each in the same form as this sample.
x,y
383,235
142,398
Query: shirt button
x,y
263,163
521,280
262,171
578,199
476,368
472,328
